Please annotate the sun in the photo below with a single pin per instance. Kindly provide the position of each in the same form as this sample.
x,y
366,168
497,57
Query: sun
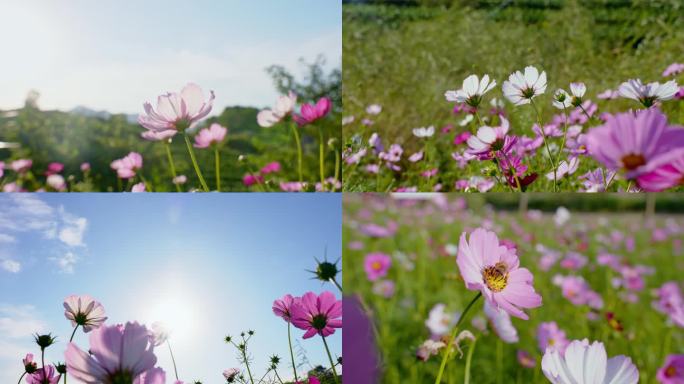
x,y
176,308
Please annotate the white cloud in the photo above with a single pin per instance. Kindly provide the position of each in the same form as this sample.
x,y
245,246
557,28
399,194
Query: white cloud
x,y
29,217
10,266
66,262
18,323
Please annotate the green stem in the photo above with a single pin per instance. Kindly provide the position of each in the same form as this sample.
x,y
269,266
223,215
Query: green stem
x,y
337,164
321,156
289,341
546,144
21,377
499,361
299,151
332,364
452,337
194,164
73,333
249,371
218,169
466,378
337,284
172,165
173,360
278,376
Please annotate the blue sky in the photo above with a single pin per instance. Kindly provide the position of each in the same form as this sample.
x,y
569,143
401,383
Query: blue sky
x,y
210,264
115,55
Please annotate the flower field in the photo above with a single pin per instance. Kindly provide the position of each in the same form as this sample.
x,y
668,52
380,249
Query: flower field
x,y
559,296
560,96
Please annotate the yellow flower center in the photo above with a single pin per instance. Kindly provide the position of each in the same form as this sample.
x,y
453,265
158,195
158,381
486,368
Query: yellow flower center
x,y
670,371
633,161
376,265
496,277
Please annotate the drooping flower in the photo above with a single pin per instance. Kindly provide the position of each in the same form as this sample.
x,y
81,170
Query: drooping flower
x,y
648,94
491,141
429,348
424,132
672,372
84,311
176,112
309,113
501,323
634,142
472,91
46,375
30,366
521,88
118,354
283,107
588,363
127,166
317,314
494,270
283,307
439,321
549,336
376,265
210,136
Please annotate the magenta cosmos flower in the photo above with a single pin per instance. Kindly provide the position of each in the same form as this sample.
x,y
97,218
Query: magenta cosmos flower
x,y
46,375
665,172
283,307
117,354
376,265
84,311
309,113
631,142
588,363
210,136
672,372
54,168
317,314
175,112
491,268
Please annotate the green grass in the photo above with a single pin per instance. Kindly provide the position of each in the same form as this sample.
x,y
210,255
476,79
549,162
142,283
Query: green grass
x,y
424,276
405,58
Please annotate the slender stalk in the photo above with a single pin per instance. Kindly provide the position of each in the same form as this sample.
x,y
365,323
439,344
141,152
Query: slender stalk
x,y
337,284
478,118
173,360
73,333
332,363
218,169
499,361
249,371
171,165
194,164
337,164
42,357
466,378
452,337
278,376
299,151
289,341
321,155
21,377
546,144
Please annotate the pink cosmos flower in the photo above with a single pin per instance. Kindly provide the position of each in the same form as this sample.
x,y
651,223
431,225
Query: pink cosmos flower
x,y
317,314
56,182
376,265
549,336
525,359
153,376
84,311
138,188
501,323
490,141
669,301
461,138
576,289
54,168
673,69
249,179
292,186
375,230
116,354
416,157
127,166
30,366
309,113
180,179
21,165
270,168
588,363
231,374
176,112
672,372
573,261
312,380
608,94
666,172
210,136
283,307
284,106
494,270
595,181
47,375
85,167
384,288
632,142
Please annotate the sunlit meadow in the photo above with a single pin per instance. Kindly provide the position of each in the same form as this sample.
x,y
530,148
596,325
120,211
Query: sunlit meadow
x,y
88,295
519,96
514,292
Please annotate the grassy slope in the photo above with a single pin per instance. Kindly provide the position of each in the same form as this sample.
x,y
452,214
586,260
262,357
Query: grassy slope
x,y
406,58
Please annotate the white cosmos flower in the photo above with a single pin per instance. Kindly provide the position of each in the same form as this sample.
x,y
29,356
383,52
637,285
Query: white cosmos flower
x,y
578,90
648,94
374,109
501,323
521,88
472,91
565,168
561,99
284,106
439,321
588,364
424,132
